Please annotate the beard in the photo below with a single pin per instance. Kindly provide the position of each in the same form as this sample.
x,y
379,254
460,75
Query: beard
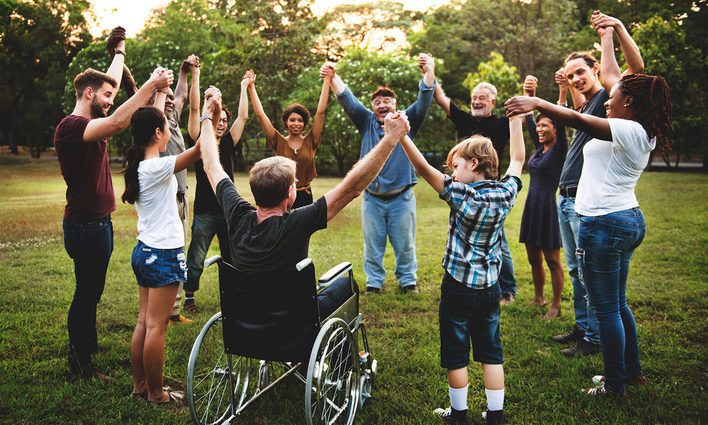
x,y
97,109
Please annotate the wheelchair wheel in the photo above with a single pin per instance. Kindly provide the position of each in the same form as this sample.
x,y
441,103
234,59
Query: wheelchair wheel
x,y
332,388
208,393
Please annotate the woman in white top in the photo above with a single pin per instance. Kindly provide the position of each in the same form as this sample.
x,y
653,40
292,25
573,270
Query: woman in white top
x,y
611,223
158,258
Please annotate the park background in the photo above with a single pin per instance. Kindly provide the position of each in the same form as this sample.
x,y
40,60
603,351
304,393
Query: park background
x,y
45,43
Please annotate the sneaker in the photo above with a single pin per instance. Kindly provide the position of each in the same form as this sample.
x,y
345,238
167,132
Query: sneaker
x,y
507,298
174,320
602,391
575,335
494,417
582,348
372,290
190,306
452,416
411,289
635,380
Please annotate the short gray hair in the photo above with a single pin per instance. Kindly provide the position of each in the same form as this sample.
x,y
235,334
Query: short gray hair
x,y
487,86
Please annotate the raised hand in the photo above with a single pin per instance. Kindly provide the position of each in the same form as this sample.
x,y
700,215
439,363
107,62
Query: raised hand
x,y
328,70
519,105
212,101
561,79
190,63
530,84
604,24
426,63
116,41
162,78
396,124
248,78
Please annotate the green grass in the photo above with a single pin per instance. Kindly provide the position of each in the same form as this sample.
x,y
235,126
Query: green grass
x,y
667,291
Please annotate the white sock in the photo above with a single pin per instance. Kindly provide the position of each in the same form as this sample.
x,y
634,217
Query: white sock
x,y
495,399
458,397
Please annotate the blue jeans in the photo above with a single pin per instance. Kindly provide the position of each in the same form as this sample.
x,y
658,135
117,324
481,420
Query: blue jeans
x,y
204,227
584,316
506,274
90,245
395,219
605,246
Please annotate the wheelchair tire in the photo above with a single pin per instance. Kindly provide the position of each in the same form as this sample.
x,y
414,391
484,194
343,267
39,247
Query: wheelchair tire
x,y
333,376
208,393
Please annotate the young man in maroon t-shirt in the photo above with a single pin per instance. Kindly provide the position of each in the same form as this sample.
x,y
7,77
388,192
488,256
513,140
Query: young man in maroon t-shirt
x,y
80,142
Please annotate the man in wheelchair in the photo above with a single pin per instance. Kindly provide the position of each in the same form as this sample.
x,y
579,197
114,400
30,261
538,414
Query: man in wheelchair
x,y
271,236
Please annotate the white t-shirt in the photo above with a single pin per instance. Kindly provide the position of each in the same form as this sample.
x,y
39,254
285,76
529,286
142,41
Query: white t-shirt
x,y
611,169
159,225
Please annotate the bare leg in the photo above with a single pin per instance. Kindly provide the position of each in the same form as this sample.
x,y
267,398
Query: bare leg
x,y
493,376
160,302
554,265
137,343
457,378
535,257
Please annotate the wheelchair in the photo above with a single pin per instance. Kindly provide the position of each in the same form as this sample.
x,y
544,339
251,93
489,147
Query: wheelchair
x,y
270,328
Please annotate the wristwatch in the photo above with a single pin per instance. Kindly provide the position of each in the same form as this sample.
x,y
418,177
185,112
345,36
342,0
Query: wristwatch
x,y
205,117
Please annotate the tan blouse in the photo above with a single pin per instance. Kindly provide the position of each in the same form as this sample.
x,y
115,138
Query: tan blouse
x,y
304,157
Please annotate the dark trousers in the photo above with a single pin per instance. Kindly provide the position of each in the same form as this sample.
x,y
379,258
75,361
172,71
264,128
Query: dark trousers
x,y
90,246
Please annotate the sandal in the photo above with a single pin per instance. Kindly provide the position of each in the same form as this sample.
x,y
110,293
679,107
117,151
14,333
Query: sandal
x,y
175,397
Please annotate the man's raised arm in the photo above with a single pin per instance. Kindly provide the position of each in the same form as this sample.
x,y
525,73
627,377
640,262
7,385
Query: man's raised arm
x,y
207,140
396,126
102,128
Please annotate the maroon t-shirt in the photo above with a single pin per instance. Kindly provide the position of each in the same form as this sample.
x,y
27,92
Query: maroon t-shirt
x,y
84,165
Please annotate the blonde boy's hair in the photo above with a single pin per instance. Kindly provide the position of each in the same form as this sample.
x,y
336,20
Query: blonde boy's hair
x,y
482,149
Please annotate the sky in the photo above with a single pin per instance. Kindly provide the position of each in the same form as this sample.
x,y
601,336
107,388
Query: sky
x,y
132,14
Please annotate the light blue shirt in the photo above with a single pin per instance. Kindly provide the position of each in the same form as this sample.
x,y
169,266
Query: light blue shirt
x,y
398,170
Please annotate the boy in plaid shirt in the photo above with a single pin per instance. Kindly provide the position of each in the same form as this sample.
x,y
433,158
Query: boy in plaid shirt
x,y
469,302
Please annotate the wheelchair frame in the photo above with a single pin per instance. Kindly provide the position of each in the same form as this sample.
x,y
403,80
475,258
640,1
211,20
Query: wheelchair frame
x,y
338,380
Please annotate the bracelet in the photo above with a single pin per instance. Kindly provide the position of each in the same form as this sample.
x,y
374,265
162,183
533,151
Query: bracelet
x,y
205,117
119,52
564,104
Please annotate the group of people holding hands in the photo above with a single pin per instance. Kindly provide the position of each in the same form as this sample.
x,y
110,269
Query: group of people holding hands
x,y
618,120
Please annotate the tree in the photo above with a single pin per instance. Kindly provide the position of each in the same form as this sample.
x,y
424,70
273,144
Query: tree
x,y
666,52
533,35
38,39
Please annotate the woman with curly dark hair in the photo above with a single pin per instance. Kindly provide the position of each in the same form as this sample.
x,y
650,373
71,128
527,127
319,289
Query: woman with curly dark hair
x,y
611,224
297,145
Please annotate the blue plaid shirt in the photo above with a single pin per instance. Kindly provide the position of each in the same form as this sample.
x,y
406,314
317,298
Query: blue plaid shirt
x,y
477,213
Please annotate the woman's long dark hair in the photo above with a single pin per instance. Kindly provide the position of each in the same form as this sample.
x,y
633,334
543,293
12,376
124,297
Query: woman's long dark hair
x,y
651,101
143,124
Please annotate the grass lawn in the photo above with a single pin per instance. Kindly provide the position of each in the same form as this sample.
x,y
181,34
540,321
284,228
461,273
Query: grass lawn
x,y
667,291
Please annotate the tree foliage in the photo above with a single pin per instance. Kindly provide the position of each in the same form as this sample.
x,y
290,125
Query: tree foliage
x,y
38,39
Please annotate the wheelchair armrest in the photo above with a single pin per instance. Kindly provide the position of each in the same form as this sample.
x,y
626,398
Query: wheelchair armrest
x,y
334,273
303,263
211,260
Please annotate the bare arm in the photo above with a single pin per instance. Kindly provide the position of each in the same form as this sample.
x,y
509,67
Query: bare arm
x,y
442,99
116,48
102,128
396,127
609,68
188,157
194,101
321,109
596,127
517,150
160,97
181,90
240,122
635,64
207,140
431,174
260,113
426,63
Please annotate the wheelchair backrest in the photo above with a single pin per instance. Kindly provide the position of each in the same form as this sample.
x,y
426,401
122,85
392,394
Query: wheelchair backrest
x,y
269,316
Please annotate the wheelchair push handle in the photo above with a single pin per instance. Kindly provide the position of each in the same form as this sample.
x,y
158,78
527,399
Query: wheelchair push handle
x,y
211,260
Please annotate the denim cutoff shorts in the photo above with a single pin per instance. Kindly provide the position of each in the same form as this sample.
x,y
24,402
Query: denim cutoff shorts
x,y
469,315
155,267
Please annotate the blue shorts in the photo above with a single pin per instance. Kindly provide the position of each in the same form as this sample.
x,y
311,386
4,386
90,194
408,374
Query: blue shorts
x,y
155,267
466,315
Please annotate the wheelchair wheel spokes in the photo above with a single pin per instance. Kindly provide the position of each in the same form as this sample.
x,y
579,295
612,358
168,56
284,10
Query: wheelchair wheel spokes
x,y
332,389
208,392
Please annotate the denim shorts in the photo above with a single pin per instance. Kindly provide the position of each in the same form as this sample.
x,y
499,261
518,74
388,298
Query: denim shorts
x,y
469,315
158,267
